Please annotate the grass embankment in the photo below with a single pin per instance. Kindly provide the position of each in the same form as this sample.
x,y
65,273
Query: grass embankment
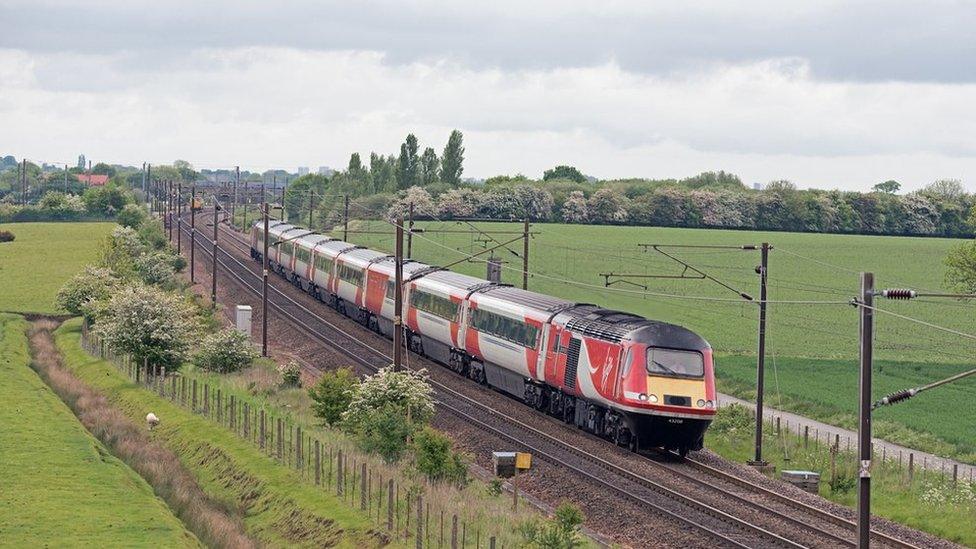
x,y
58,484
277,508
929,502
42,258
826,390
483,512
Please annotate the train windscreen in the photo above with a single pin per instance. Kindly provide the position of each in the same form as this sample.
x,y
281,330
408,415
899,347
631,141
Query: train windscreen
x,y
671,362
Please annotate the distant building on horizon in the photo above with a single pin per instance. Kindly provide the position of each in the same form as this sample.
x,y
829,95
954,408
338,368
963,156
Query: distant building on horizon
x,y
302,170
326,171
81,161
757,186
92,180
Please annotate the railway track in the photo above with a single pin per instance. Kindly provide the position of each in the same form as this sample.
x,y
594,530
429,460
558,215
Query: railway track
x,y
706,517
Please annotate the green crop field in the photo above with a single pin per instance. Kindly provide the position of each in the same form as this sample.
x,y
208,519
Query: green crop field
x,y
59,483
567,260
815,344
44,255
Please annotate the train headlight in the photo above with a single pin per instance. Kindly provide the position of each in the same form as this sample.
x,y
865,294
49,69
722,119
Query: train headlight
x,y
709,404
701,403
652,398
642,397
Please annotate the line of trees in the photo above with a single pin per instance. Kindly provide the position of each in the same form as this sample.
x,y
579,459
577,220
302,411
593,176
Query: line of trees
x,y
708,200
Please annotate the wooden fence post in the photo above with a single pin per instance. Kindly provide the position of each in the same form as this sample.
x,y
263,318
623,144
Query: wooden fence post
x,y
339,473
911,466
389,505
261,430
363,494
454,539
194,395
420,522
280,437
318,463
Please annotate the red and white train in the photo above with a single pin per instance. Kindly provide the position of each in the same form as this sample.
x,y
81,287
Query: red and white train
x,y
638,382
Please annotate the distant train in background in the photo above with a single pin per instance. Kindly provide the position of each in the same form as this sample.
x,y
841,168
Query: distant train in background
x,y
638,382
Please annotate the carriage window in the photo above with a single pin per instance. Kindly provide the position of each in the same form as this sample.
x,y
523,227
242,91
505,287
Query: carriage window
x,y
391,289
302,254
669,362
324,264
288,248
506,328
433,304
350,274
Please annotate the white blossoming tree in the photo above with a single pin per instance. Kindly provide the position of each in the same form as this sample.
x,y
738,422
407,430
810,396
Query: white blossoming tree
x,y
79,294
405,389
149,324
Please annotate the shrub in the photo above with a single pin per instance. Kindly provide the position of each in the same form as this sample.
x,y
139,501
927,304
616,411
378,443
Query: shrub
x,y
6,236
107,200
384,431
132,215
226,351
562,531
435,459
332,394
405,389
157,269
91,285
62,206
149,324
291,374
152,234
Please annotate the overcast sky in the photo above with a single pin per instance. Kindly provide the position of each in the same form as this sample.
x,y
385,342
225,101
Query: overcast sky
x,y
828,94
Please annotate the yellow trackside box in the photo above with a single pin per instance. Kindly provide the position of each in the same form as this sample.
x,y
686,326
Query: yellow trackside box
x,y
523,460
197,204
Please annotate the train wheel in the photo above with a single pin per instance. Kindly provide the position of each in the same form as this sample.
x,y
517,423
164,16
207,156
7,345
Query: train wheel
x,y
683,451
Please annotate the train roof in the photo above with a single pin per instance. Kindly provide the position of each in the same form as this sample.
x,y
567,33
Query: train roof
x,y
456,281
410,267
525,298
364,255
618,326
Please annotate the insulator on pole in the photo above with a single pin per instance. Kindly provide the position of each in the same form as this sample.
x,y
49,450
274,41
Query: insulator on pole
x,y
898,293
895,398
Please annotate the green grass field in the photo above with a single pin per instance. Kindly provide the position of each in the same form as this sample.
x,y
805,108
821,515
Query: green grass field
x,y
57,482
567,260
44,255
279,509
815,344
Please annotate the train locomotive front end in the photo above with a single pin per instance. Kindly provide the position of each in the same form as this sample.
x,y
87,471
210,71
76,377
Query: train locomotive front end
x,y
668,393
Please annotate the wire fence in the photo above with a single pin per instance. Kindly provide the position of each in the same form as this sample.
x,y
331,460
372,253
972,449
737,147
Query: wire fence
x,y
400,509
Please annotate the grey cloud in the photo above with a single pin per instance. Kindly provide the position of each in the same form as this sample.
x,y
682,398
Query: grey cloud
x,y
866,42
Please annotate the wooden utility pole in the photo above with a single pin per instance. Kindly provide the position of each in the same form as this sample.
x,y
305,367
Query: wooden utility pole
x,y
233,205
169,207
23,181
179,217
525,253
264,287
310,208
398,299
345,220
193,232
864,414
761,358
148,182
66,178
213,269
410,232
246,203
